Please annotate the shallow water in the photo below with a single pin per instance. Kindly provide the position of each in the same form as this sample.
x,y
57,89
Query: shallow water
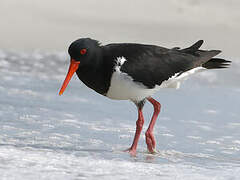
x,y
81,135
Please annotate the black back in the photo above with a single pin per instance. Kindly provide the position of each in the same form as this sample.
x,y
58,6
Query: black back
x,y
151,65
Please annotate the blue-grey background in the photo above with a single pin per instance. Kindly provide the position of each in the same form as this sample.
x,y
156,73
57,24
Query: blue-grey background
x,y
81,134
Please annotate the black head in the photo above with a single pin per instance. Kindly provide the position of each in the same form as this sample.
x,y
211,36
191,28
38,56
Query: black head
x,y
84,50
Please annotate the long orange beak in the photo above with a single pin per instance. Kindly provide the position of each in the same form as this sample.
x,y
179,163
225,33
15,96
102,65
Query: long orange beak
x,y
72,69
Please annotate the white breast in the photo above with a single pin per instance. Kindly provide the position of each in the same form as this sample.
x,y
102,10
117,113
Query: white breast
x,y
123,87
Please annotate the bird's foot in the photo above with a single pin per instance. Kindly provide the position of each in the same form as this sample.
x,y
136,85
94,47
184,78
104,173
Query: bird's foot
x,y
151,143
152,151
131,151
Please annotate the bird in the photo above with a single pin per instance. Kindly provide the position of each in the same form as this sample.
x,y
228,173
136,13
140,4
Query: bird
x,y
132,71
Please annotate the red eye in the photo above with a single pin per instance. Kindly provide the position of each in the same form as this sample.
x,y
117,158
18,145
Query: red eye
x,y
83,51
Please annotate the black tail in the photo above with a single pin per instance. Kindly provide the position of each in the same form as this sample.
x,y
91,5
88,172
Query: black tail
x,y
216,63
192,49
205,58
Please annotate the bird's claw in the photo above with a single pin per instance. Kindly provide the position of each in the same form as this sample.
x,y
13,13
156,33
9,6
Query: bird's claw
x,y
131,151
150,141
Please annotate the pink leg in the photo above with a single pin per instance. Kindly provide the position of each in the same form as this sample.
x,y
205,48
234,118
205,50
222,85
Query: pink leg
x,y
139,123
150,140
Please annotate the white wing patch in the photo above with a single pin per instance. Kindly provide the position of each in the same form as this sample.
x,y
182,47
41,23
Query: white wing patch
x,y
120,61
175,81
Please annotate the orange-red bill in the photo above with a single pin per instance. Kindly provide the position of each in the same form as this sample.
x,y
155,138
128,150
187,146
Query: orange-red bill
x,y
72,69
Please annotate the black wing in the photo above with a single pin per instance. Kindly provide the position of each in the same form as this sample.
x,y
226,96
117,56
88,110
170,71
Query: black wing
x,y
151,65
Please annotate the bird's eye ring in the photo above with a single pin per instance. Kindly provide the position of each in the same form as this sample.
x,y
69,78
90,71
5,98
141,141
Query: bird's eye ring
x,y
83,51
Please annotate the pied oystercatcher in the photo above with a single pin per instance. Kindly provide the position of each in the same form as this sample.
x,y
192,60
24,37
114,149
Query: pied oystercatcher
x,y
134,72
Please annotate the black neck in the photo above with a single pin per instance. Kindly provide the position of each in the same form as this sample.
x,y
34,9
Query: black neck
x,y
97,74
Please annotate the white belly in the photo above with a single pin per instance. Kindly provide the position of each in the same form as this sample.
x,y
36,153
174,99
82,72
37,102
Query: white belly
x,y
122,87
